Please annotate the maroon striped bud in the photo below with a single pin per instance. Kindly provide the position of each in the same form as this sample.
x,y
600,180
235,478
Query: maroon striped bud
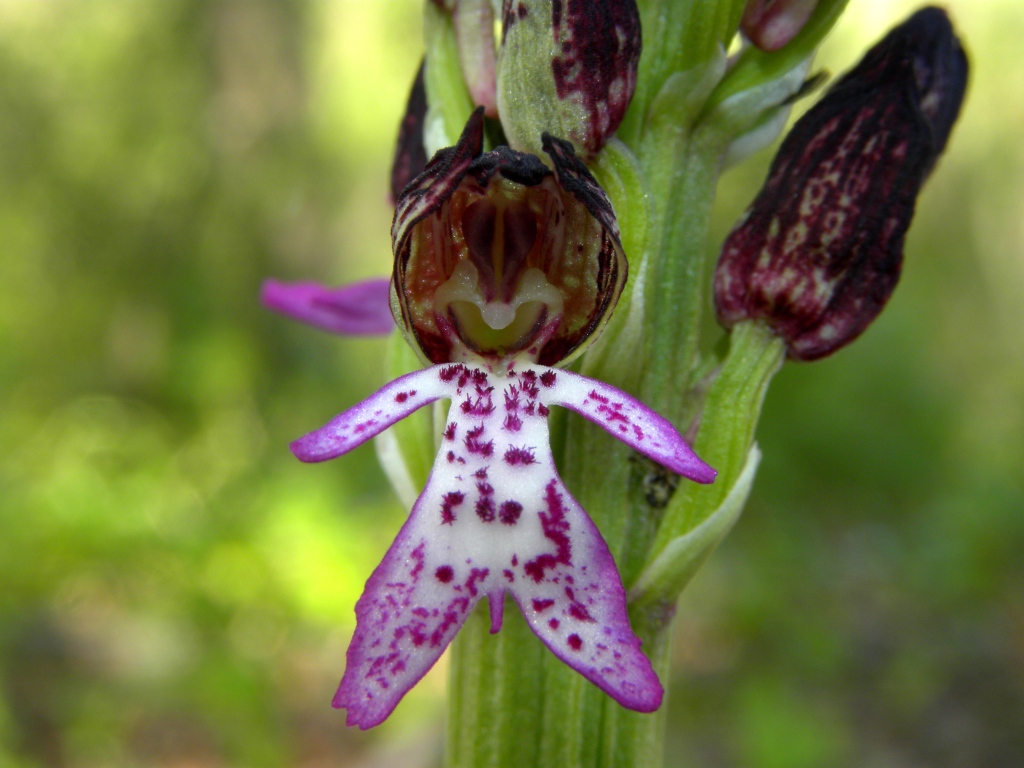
x,y
567,67
819,252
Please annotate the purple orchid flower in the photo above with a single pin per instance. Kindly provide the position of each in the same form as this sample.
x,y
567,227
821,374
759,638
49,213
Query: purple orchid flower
x,y
503,269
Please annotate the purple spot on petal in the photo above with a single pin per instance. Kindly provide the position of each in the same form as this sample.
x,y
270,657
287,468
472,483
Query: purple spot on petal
x,y
450,372
450,500
556,529
444,573
475,445
475,575
509,512
575,642
553,623
579,612
542,604
547,378
519,456
485,509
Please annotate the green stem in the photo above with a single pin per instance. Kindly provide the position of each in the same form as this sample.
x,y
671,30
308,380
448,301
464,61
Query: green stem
x,y
683,185
496,694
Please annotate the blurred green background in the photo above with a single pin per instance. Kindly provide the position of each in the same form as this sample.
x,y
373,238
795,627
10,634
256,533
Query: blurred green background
x,y
177,590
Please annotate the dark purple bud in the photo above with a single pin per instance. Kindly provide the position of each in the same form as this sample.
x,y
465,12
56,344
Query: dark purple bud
x,y
567,67
771,24
410,154
498,258
819,252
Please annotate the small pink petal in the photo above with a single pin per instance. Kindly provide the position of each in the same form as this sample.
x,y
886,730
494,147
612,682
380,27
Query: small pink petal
x,y
359,309
388,405
625,418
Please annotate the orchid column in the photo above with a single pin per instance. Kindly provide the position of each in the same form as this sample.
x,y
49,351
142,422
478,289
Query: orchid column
x,y
552,253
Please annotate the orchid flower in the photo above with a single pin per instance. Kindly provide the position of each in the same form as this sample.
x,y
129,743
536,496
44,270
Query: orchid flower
x,y
504,269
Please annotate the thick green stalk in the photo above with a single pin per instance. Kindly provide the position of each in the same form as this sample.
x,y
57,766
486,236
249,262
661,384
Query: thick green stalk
x,y
496,694
682,166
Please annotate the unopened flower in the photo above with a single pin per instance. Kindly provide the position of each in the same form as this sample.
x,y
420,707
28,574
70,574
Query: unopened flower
x,y
567,67
474,30
503,269
771,24
819,252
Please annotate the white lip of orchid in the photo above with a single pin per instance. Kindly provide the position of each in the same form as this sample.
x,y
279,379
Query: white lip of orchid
x,y
503,326
495,518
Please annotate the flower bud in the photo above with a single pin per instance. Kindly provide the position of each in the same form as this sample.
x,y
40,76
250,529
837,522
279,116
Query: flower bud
x,y
770,24
567,67
497,258
474,31
819,252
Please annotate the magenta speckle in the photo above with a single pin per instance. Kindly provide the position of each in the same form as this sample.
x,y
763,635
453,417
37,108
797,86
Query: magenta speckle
x,y
547,378
579,612
449,373
450,500
556,530
444,573
554,623
575,642
475,445
517,457
485,509
509,512
475,575
542,604
543,410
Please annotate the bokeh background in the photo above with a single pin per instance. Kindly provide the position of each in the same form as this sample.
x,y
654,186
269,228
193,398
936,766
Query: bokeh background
x,y
176,590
